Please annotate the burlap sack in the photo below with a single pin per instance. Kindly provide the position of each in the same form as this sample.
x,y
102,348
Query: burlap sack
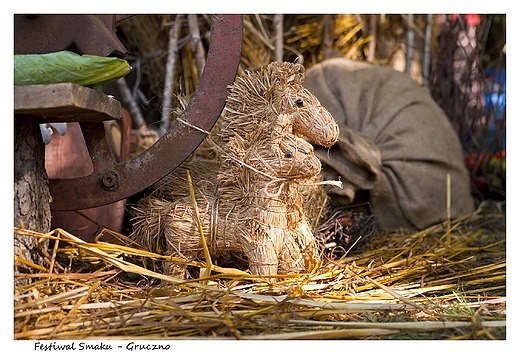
x,y
395,142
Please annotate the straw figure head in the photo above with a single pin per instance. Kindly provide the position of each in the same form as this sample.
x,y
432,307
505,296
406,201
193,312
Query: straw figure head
x,y
282,158
259,99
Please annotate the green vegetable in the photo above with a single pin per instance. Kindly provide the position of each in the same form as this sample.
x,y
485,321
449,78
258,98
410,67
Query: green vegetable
x,y
65,66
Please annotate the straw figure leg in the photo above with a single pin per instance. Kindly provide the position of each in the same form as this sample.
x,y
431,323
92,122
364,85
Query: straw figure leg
x,y
267,245
306,205
260,247
182,237
278,229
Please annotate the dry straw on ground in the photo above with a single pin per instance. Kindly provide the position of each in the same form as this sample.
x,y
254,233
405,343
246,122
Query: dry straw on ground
x,y
405,285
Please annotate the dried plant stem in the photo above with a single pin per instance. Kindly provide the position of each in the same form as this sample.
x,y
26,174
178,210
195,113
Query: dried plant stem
x,y
207,255
396,295
448,209
30,264
171,61
74,309
196,44
278,43
53,258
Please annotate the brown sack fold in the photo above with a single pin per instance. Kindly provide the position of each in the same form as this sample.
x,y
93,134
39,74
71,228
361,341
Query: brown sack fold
x,y
394,142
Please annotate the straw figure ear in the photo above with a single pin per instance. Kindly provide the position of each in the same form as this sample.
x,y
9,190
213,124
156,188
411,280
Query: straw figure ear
x,y
283,75
285,78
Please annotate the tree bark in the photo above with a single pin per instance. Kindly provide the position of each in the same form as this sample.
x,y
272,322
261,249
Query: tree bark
x,y
31,192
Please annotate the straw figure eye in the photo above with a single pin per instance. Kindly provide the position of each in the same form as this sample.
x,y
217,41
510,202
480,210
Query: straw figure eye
x,y
299,102
288,154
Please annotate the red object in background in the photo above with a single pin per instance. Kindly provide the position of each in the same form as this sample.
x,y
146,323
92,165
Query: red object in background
x,y
487,172
471,19
67,157
474,160
345,221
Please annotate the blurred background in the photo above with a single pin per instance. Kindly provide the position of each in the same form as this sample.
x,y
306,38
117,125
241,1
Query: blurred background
x,y
459,57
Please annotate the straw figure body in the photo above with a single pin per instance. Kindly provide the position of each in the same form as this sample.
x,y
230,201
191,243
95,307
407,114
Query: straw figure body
x,y
252,206
262,195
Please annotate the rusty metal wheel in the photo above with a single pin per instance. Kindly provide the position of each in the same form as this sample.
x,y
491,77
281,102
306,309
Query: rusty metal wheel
x,y
112,181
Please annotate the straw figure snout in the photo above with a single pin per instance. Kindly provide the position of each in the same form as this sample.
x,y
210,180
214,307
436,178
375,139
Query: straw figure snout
x,y
308,117
298,159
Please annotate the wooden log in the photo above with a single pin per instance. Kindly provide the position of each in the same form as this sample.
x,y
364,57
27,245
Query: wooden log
x,y
31,193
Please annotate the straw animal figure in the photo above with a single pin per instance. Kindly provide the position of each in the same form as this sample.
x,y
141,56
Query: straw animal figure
x,y
259,99
255,200
273,100
246,208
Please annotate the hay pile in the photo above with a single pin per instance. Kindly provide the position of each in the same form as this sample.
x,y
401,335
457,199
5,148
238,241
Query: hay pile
x,y
438,283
